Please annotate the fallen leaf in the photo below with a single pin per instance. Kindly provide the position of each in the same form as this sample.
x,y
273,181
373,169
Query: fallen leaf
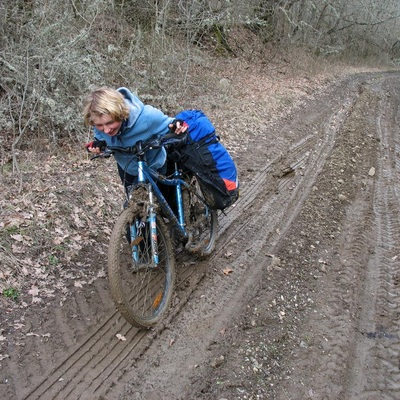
x,y
18,237
14,220
101,274
17,249
36,299
34,291
227,271
25,271
57,240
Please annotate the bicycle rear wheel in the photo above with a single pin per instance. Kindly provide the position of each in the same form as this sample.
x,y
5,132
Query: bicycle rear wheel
x,y
201,222
140,285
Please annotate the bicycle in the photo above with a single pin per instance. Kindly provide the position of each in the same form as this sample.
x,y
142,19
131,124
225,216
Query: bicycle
x,y
141,257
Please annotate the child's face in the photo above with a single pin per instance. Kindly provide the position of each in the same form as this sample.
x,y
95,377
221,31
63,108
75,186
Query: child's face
x,y
106,124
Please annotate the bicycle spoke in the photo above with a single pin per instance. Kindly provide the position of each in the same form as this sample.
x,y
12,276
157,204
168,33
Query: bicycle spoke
x,y
141,288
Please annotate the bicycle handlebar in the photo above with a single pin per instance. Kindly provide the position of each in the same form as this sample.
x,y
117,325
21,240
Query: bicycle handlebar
x,y
154,142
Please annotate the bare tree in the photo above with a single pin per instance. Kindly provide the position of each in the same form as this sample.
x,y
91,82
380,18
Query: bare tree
x,y
52,52
338,25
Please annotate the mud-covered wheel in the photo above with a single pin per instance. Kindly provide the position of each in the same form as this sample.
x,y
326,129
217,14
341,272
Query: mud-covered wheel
x,y
140,285
201,222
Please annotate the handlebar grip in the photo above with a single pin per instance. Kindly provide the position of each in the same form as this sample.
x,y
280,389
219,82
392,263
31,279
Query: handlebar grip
x,y
171,135
174,139
131,150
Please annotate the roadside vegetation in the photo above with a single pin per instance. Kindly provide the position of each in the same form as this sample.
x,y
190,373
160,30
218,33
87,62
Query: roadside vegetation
x,y
53,52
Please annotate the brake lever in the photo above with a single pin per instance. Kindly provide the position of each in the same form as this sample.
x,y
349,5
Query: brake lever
x,y
106,154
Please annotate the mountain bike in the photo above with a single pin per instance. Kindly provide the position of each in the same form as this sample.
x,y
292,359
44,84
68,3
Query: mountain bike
x,y
148,232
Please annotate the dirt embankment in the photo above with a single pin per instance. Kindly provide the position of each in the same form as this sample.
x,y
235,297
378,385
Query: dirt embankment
x,y
300,300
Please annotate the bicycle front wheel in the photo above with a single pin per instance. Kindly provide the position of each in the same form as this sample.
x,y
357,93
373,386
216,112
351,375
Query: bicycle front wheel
x,y
141,267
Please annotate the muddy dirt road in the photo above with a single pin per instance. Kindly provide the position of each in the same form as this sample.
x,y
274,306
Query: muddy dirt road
x,y
301,300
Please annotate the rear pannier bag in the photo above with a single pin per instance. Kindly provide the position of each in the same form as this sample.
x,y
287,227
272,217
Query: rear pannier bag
x,y
205,156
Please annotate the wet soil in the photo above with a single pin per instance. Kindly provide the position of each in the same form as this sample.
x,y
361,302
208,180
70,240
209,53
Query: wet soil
x,y
299,301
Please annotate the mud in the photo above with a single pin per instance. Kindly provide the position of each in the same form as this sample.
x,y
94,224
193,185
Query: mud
x,y
310,306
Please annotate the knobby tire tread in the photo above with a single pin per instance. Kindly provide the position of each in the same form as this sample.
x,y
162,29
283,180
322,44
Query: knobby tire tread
x,y
206,245
114,268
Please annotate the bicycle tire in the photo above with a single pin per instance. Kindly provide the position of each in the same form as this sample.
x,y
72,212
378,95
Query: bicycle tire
x,y
141,289
201,222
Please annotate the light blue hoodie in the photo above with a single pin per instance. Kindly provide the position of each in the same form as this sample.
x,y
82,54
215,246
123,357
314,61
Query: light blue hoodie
x,y
143,122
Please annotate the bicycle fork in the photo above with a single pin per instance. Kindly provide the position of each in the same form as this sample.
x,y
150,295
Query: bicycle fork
x,y
153,229
145,239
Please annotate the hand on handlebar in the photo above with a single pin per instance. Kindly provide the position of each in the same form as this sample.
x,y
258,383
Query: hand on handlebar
x,y
178,126
96,146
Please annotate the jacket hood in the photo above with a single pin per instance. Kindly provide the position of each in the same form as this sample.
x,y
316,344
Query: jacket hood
x,y
136,106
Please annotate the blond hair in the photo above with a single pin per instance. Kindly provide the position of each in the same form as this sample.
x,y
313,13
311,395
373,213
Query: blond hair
x,y
105,101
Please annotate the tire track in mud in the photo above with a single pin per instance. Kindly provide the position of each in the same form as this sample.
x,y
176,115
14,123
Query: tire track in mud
x,y
103,353
99,361
264,215
375,368
355,328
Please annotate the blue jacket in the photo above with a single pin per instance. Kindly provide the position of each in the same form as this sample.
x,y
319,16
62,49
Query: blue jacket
x,y
143,122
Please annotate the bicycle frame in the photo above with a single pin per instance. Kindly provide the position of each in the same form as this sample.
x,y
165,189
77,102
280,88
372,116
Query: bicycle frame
x,y
148,176
143,244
